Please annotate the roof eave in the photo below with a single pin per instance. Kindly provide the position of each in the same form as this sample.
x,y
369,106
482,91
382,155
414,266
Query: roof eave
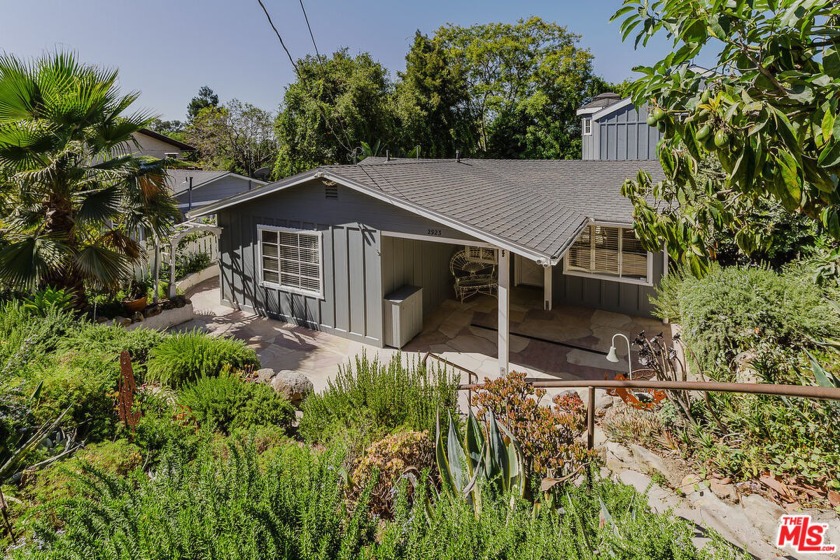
x,y
610,109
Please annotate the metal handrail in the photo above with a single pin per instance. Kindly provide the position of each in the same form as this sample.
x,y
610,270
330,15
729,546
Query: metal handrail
x,y
799,391
471,375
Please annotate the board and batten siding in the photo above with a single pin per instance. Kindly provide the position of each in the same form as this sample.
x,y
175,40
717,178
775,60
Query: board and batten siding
x,y
351,226
622,135
609,295
418,263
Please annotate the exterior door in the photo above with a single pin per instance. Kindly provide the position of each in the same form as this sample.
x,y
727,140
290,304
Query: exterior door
x,y
528,273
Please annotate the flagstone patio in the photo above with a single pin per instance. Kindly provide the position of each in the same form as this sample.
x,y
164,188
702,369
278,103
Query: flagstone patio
x,y
564,343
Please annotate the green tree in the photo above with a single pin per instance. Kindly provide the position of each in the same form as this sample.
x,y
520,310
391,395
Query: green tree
x,y
525,83
433,103
206,98
72,196
237,136
766,112
336,103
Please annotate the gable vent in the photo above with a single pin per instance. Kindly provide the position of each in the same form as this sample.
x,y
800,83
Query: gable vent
x,y
331,191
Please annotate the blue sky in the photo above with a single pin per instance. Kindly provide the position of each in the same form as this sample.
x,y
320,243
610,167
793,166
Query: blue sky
x,y
167,49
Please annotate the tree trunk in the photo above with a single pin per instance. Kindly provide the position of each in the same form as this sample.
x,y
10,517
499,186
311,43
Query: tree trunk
x,y
61,224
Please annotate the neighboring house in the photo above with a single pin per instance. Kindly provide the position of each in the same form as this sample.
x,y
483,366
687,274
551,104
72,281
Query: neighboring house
x,y
614,129
324,248
194,188
151,143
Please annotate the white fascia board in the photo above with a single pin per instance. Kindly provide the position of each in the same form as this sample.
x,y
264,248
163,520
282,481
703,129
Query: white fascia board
x,y
590,111
249,195
612,109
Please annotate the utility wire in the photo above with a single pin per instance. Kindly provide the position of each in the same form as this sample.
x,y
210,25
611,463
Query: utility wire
x,y
312,35
303,80
282,43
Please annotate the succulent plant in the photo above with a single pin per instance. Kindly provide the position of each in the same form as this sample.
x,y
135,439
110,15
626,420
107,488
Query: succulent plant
x,y
489,458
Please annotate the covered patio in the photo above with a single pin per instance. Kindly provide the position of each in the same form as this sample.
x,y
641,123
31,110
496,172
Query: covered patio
x,y
565,342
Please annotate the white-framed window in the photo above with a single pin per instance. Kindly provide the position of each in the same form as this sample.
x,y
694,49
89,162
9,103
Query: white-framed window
x,y
610,252
290,260
587,126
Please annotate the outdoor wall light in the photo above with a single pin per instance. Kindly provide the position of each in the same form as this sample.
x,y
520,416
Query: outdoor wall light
x,y
613,357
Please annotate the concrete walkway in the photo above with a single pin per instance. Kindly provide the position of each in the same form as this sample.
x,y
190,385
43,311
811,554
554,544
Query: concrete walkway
x,y
463,333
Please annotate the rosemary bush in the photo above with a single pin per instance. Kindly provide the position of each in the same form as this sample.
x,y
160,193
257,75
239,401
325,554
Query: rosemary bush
x,y
376,397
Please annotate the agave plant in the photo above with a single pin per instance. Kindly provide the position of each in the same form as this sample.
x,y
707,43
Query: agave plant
x,y
486,459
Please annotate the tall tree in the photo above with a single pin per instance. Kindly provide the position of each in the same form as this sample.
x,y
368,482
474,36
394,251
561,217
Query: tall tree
x,y
432,102
766,111
337,103
525,82
237,136
72,196
206,98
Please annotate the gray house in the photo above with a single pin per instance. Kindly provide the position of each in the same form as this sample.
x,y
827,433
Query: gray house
x,y
196,188
615,129
334,247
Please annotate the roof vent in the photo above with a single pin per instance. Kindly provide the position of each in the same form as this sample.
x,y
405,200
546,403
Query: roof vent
x,y
331,191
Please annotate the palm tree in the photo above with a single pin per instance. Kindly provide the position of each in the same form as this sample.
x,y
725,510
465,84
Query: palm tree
x,y
73,198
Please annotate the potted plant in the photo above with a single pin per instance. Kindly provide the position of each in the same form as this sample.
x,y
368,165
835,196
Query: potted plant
x,y
137,295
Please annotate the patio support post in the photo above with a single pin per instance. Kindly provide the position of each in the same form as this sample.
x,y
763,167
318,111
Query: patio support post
x,y
504,311
548,295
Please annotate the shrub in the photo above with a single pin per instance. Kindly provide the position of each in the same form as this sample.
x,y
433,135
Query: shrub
x,y
118,457
211,507
26,338
189,356
227,402
767,320
187,264
108,341
605,520
226,506
163,424
547,434
389,459
733,310
374,398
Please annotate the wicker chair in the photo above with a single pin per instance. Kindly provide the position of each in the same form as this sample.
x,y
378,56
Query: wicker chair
x,y
472,276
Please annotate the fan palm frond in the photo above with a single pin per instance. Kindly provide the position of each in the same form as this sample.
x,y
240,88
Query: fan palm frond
x,y
27,262
101,266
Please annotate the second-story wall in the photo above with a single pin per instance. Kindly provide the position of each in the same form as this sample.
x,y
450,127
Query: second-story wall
x,y
622,135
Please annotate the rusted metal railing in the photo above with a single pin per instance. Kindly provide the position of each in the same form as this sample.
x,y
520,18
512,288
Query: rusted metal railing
x,y
799,391
472,377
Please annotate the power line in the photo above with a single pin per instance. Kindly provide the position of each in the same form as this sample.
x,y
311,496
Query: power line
x,y
306,17
282,43
303,80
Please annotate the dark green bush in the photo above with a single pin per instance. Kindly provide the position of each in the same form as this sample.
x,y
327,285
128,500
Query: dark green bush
x,y
108,341
734,309
226,403
187,264
373,398
767,320
189,356
216,506
227,506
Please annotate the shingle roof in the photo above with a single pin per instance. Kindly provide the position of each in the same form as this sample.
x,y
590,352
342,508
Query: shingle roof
x,y
602,100
535,207
177,180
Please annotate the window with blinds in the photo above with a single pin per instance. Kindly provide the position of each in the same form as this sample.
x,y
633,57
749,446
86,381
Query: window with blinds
x,y
609,251
290,259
